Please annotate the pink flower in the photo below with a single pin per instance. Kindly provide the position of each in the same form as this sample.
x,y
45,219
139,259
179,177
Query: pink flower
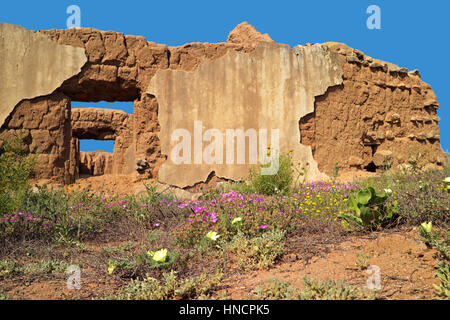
x,y
263,226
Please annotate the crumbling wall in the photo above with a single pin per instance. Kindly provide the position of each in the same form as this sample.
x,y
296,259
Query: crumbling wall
x,y
44,125
381,116
96,163
268,88
377,114
105,124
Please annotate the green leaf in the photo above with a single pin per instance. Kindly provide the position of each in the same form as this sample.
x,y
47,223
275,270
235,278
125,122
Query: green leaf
x,y
363,196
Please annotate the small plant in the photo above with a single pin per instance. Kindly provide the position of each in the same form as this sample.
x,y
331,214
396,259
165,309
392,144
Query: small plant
x,y
362,260
8,268
171,287
446,182
335,172
435,240
278,183
370,209
16,166
46,267
276,290
313,290
443,273
332,290
3,296
258,252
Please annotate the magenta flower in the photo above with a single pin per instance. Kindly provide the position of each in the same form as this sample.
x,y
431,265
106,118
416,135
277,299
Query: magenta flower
x,y
213,217
263,226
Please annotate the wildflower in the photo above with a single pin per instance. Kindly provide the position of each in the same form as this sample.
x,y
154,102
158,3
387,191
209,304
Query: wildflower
x,y
158,256
263,226
198,209
212,235
213,217
427,226
236,220
156,224
111,268
388,191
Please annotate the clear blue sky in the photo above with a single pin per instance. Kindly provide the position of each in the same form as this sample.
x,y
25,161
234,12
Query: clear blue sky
x,y
414,34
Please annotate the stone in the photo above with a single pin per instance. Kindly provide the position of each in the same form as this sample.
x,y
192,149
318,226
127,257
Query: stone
x,y
355,161
383,157
247,36
353,59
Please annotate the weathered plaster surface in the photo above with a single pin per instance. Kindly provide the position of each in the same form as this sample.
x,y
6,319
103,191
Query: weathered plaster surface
x,y
271,87
32,65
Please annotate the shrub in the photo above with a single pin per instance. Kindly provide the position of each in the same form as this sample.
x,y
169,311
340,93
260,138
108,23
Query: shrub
x,y
279,183
323,200
3,296
72,214
15,171
420,197
276,290
370,209
423,197
259,252
170,288
45,267
230,214
313,290
8,267
443,273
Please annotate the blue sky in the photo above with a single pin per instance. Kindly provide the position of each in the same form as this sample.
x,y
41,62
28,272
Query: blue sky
x,y
414,34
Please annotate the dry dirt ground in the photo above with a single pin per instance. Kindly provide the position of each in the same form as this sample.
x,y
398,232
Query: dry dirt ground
x,y
407,269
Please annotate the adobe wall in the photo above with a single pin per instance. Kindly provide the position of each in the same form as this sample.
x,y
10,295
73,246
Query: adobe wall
x,y
381,114
335,105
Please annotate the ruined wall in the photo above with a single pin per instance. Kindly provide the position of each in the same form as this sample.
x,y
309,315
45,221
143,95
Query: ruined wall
x,y
96,163
32,65
44,124
332,106
271,87
381,114
105,124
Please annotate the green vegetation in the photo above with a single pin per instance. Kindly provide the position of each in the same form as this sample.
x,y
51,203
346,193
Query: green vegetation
x,y
258,252
250,223
312,290
16,167
171,287
369,209
10,268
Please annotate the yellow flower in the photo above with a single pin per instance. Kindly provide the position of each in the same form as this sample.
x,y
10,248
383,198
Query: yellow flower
x,y
158,256
236,220
111,268
212,235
